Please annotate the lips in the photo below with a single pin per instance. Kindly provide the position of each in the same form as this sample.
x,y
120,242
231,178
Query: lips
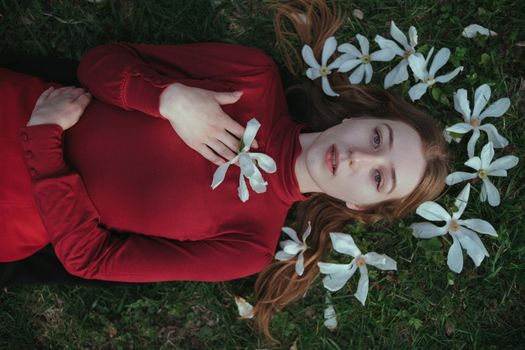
x,y
332,155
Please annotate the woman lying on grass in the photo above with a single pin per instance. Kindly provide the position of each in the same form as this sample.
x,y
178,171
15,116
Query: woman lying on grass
x,y
120,183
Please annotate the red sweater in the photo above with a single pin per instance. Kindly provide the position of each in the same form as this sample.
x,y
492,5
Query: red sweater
x,y
143,208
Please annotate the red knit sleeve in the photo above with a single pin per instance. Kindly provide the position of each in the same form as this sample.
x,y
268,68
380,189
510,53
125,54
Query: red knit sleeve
x,y
89,250
133,76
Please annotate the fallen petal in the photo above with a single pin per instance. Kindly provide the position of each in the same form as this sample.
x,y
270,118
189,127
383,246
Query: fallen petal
x,y
472,30
245,308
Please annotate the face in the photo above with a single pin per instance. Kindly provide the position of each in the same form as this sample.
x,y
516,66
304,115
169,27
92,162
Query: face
x,y
376,160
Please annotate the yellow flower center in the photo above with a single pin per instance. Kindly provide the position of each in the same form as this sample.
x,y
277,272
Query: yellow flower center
x,y
324,71
474,122
406,54
365,59
453,226
360,261
482,173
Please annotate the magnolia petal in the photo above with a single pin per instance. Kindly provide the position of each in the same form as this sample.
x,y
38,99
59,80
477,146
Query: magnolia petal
x,y
349,65
475,238
357,75
242,190
257,182
487,153
497,140
343,243
384,55
252,127
362,286
327,89
461,201
388,44
480,226
291,247
481,97
475,252
458,177
381,261
398,75
330,319
340,60
245,308
474,163
309,58
449,76
462,104
417,91
246,164
472,30
439,61
313,73
418,65
330,45
364,44
412,34
471,145
329,268
497,109
492,192
483,193
291,233
460,128
350,50
430,52
307,232
398,35
282,255
219,174
265,162
299,265
432,211
368,72
503,163
336,281
427,230
455,256
498,172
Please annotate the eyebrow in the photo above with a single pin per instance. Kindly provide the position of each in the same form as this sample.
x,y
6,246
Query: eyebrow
x,y
390,144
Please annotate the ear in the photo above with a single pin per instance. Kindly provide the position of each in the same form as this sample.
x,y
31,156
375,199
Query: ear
x,y
354,206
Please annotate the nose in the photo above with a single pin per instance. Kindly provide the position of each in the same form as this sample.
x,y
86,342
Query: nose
x,y
360,158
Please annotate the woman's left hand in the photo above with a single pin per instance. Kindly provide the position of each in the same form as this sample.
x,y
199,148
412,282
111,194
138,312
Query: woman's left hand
x,y
62,106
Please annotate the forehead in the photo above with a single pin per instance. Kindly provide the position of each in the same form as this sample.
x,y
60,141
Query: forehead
x,y
406,157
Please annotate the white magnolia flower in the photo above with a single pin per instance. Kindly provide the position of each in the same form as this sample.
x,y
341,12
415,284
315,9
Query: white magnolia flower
x,y
473,119
322,70
462,231
244,307
475,29
291,248
330,318
485,167
400,73
247,164
449,137
354,58
418,64
339,274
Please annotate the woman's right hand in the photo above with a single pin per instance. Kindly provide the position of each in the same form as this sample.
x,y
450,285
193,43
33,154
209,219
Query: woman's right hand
x,y
198,119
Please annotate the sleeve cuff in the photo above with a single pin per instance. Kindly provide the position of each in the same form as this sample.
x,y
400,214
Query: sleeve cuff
x,y
143,89
43,152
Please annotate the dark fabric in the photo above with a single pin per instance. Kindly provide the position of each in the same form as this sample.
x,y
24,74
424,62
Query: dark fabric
x,y
42,267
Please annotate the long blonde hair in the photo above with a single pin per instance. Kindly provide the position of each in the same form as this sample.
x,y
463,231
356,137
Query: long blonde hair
x,y
313,21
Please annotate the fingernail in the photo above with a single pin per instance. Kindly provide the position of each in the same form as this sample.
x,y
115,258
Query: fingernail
x,y
237,93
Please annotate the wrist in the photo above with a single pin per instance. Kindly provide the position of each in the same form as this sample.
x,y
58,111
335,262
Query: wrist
x,y
39,121
168,95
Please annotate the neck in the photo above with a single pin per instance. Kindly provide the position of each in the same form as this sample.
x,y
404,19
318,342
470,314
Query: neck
x,y
306,183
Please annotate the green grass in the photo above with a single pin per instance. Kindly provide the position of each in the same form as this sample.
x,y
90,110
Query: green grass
x,y
422,306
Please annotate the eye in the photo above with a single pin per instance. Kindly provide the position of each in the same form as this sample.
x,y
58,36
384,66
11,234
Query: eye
x,y
377,178
377,138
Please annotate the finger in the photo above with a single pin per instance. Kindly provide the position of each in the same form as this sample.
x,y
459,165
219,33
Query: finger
x,y
58,92
44,95
230,141
210,155
226,98
221,149
76,93
84,99
236,129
